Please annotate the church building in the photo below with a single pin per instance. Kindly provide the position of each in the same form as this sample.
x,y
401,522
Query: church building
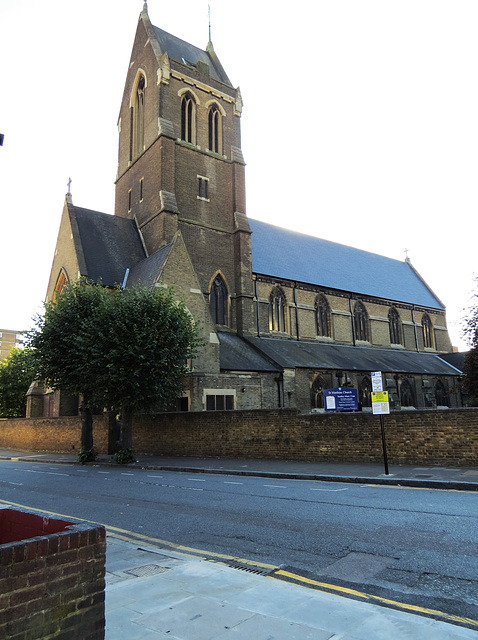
x,y
284,315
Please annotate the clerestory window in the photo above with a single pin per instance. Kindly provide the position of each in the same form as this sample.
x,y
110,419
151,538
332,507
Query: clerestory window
x,y
322,316
277,307
361,322
188,118
395,326
427,329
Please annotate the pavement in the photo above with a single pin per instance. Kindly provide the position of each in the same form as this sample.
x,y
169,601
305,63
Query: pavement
x,y
152,593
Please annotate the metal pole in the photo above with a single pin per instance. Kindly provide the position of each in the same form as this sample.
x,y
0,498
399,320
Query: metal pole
x,y
384,445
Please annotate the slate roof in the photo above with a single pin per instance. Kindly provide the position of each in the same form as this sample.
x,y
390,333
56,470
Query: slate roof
x,y
189,54
316,355
106,245
146,272
237,355
289,255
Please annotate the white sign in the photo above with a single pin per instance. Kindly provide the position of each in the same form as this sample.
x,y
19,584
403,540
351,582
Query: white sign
x,y
380,408
377,384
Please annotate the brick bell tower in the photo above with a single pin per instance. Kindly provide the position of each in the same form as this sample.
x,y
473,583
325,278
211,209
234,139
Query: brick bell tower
x,y
181,168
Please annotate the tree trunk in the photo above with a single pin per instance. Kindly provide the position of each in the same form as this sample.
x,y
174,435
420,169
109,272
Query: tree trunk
x,y
127,429
86,426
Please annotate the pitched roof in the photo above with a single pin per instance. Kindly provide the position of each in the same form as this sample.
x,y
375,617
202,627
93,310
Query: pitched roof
x,y
289,255
146,272
106,245
186,53
237,355
316,355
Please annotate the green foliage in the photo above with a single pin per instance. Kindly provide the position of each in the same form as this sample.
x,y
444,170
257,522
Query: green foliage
x,y
86,455
124,456
470,369
17,373
125,350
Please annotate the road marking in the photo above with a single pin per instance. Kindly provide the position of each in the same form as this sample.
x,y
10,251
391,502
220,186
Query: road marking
x,y
127,474
344,489
276,486
278,573
104,472
48,473
155,476
19,484
404,606
196,480
229,482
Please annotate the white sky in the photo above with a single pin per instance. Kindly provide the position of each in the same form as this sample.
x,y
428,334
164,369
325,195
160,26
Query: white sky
x,y
359,125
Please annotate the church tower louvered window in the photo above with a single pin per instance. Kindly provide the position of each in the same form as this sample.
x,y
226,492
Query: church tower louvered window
x,y
215,129
188,118
137,119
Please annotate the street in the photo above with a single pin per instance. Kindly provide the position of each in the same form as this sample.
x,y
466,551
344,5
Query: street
x,y
418,546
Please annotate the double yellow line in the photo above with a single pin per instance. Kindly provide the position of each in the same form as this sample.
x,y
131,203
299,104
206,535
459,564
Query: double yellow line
x,y
275,571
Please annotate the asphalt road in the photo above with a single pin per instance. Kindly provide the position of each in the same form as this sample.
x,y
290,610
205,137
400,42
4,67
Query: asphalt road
x,y
418,546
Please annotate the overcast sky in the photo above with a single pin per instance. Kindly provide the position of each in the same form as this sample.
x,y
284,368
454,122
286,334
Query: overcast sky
x,y
359,125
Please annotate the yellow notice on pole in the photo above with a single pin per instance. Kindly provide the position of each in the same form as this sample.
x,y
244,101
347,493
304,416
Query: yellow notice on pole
x,y
380,403
379,396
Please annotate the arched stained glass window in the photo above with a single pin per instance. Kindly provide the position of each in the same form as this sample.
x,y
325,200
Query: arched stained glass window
x,y
218,301
427,329
277,307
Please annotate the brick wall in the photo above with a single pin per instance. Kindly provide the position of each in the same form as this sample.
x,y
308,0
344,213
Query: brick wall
x,y
416,437
52,584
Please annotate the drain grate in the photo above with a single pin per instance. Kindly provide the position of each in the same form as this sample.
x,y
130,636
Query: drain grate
x,y
146,570
258,571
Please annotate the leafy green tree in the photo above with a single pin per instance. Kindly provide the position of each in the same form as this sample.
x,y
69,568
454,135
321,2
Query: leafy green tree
x,y
123,350
470,369
64,347
17,373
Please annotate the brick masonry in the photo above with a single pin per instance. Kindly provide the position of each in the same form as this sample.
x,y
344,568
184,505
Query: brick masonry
x,y
445,437
52,578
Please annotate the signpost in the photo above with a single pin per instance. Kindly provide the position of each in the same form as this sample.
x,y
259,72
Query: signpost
x,y
380,406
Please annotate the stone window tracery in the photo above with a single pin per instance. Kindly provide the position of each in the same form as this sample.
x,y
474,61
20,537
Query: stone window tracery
x,y
188,118
395,326
322,316
277,307
218,301
361,322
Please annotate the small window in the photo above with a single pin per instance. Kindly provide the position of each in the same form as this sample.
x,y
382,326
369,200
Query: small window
x,y
219,402
203,188
130,199
141,185
427,329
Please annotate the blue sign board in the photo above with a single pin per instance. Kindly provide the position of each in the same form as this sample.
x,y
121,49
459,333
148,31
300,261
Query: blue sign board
x,y
341,399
